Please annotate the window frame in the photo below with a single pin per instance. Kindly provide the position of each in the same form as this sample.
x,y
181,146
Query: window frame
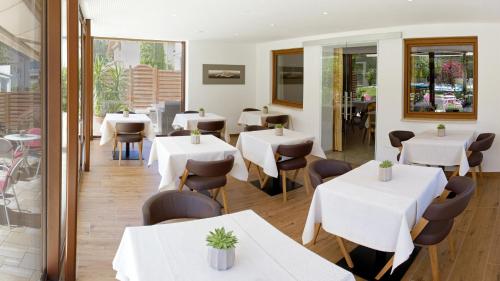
x,y
275,100
438,41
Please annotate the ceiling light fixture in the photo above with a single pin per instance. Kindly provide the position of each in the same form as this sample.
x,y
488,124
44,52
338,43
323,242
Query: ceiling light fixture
x,y
174,15
325,13
272,25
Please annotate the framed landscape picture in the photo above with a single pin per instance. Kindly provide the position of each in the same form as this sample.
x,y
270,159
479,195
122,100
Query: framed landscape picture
x,y
223,74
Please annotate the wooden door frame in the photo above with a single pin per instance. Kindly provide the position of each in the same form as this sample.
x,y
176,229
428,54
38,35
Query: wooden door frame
x,y
88,63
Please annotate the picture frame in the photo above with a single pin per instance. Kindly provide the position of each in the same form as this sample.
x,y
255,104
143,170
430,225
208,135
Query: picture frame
x,y
223,74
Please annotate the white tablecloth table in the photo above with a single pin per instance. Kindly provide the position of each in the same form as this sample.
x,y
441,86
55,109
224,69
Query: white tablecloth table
x,y
427,148
259,147
379,215
189,121
172,154
259,118
108,125
178,251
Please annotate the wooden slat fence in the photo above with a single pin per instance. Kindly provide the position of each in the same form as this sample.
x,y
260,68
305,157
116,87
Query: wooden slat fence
x,y
19,111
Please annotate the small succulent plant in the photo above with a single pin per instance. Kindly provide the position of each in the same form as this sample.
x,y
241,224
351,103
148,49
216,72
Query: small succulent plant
x,y
220,239
195,132
386,164
441,126
279,126
201,109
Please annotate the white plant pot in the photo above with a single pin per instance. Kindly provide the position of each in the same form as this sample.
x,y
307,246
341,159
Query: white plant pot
x,y
195,139
441,132
278,131
125,114
221,259
202,113
385,174
265,110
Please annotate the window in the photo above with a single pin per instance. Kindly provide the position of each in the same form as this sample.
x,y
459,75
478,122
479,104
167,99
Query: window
x,y
288,77
441,78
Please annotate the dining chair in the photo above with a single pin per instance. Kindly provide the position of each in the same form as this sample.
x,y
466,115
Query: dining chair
x,y
8,181
121,112
190,111
7,154
272,121
437,221
250,109
129,133
212,127
292,157
178,133
174,206
252,128
397,137
34,147
208,176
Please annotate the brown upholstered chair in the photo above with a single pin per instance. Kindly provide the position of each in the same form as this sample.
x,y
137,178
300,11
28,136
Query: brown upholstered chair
x,y
128,133
250,109
190,111
272,121
292,157
475,155
212,127
208,176
397,137
251,128
326,168
178,133
437,222
174,205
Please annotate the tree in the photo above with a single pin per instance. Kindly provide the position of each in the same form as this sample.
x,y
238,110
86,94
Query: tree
x,y
153,54
451,70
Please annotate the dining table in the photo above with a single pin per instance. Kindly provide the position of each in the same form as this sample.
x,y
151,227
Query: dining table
x,y
258,118
380,215
178,252
189,121
428,148
172,154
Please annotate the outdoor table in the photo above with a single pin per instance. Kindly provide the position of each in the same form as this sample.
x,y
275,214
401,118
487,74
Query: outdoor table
x,y
178,251
375,214
172,154
189,121
429,149
108,128
258,118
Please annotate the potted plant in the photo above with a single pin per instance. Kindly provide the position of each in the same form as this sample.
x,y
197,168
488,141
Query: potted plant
x,y
441,128
385,171
195,136
126,111
265,109
201,112
278,130
221,249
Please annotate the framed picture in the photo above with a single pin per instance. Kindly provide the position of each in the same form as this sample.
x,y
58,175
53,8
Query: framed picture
x,y
223,74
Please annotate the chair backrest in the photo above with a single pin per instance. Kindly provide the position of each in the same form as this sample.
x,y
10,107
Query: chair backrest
x,y
295,150
211,126
121,112
190,111
34,143
250,109
129,128
173,204
251,128
483,142
178,133
278,119
463,187
6,148
13,174
325,168
210,168
396,137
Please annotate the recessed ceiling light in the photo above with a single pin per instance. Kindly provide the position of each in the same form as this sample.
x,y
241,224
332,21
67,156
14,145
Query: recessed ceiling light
x,y
410,0
174,15
236,34
200,31
325,13
272,25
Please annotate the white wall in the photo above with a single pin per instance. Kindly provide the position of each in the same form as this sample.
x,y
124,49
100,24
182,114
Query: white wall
x,y
225,100
390,83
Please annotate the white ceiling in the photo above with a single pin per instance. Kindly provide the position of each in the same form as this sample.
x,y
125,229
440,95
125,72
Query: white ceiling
x,y
266,20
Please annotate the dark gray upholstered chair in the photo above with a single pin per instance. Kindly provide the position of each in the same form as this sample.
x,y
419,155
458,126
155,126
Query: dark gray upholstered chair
x,y
272,121
208,176
482,143
326,168
250,109
293,158
168,116
172,205
178,133
251,128
128,133
397,137
190,111
121,112
212,128
437,221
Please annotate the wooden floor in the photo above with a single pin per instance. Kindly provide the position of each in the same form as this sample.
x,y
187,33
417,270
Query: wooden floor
x,y
111,198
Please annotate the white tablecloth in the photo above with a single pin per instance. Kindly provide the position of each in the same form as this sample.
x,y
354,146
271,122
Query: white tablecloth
x,y
259,118
379,215
178,251
427,148
172,154
259,147
108,125
190,121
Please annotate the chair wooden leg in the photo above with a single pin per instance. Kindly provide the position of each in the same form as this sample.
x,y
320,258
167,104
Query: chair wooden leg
x,y
295,175
224,200
433,255
183,179
140,152
386,268
114,146
347,258
119,154
480,167
455,173
474,177
316,233
306,181
249,165
451,245
283,184
216,193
